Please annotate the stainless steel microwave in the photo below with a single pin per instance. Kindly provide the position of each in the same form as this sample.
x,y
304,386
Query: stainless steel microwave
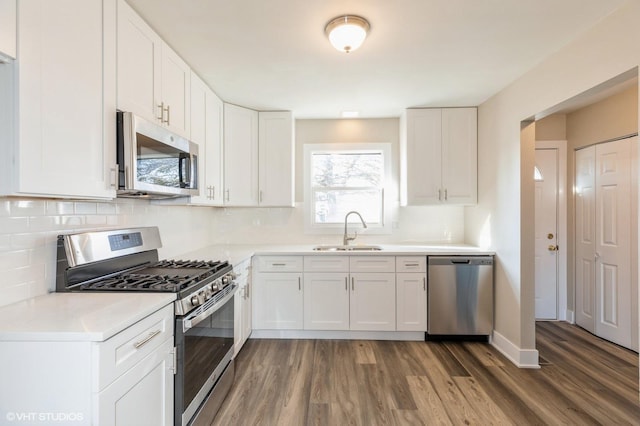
x,y
154,162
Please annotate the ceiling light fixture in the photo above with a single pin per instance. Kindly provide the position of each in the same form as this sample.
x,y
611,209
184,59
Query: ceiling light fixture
x,y
346,33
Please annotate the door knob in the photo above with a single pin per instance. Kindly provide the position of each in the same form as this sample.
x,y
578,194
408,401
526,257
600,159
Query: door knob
x,y
553,248
549,236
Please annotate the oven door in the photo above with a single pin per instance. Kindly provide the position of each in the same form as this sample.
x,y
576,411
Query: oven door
x,y
204,345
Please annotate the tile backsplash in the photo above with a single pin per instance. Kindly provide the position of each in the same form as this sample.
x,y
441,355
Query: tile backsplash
x,y
29,227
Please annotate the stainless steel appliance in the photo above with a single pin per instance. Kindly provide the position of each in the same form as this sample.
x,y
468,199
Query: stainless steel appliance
x,y
152,161
127,260
460,295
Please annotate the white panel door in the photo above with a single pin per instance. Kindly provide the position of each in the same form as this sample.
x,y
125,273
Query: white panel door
x,y
585,240
411,301
66,129
139,65
275,154
424,155
326,301
240,156
613,245
280,301
546,230
372,301
176,92
459,155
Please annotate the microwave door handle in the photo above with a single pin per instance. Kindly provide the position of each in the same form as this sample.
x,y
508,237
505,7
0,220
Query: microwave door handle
x,y
184,170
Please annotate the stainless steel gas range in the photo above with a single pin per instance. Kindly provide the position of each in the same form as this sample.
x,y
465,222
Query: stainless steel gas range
x,y
127,260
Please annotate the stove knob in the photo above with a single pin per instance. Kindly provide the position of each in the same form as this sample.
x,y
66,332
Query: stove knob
x,y
225,280
214,287
195,301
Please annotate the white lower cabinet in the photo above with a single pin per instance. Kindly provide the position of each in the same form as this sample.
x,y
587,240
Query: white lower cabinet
x,y
142,395
278,295
242,305
326,301
340,293
411,301
372,304
411,293
124,380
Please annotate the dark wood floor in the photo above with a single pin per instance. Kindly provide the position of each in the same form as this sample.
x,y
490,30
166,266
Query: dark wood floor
x,y
583,380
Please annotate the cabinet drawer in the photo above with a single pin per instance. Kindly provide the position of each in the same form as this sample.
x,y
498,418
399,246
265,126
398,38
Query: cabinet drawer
x,y
121,352
326,264
372,264
411,264
279,264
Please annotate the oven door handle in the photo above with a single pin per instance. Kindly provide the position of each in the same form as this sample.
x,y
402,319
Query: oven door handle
x,y
189,323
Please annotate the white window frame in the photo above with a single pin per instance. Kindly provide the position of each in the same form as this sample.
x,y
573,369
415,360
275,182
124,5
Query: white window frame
x,y
338,228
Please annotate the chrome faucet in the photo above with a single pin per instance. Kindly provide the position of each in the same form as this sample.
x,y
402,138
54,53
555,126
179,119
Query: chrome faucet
x,y
347,238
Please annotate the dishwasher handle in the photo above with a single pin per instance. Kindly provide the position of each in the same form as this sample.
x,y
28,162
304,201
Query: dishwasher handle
x,y
460,260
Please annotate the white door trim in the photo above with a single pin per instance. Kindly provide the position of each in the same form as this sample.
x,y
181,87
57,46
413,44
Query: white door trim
x,y
561,146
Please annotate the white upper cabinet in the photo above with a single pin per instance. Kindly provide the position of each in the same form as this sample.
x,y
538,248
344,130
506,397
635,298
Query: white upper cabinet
x,y
60,137
206,131
7,29
153,81
240,156
439,156
276,159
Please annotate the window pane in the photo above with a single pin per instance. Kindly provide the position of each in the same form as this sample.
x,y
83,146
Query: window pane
x,y
331,206
353,170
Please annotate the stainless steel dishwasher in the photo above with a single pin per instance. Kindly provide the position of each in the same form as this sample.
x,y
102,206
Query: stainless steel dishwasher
x,y
460,295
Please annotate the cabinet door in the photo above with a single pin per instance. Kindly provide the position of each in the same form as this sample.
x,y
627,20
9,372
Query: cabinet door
x,y
459,155
411,301
280,301
240,156
242,306
326,301
8,28
275,154
373,301
206,131
142,395
66,113
422,154
214,155
139,65
176,92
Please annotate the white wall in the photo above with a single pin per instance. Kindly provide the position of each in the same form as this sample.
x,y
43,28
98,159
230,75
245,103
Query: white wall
x,y
28,230
609,49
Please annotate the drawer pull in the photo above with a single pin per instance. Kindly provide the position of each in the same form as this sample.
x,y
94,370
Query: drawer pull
x,y
146,340
411,264
277,264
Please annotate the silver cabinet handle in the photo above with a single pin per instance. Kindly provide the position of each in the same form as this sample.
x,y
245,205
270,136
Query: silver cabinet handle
x,y
227,193
114,176
439,194
161,118
411,264
213,192
352,284
346,284
277,264
168,120
299,284
424,283
260,197
445,195
146,340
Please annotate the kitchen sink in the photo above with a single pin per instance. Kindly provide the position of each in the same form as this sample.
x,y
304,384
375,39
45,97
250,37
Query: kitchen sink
x,y
348,248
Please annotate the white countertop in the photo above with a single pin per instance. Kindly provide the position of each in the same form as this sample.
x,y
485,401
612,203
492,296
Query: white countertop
x,y
238,253
77,316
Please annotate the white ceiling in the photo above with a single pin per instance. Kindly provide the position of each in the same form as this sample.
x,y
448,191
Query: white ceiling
x,y
273,54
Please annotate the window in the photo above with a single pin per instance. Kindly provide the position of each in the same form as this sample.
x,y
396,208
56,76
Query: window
x,y
340,178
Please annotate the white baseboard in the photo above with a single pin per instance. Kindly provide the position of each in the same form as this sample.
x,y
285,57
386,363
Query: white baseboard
x,y
570,317
522,358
